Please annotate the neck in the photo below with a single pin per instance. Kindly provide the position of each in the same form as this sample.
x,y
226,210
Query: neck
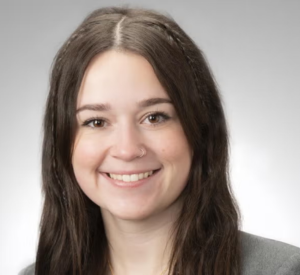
x,y
143,246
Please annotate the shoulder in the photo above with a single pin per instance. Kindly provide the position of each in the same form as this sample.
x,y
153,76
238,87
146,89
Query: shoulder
x,y
266,256
29,270
259,256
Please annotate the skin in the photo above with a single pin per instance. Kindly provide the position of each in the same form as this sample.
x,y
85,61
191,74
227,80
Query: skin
x,y
138,221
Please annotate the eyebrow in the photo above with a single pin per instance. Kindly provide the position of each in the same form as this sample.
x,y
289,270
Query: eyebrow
x,y
142,104
94,107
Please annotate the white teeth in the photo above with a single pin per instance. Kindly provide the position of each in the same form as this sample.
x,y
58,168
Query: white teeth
x,y
133,177
126,178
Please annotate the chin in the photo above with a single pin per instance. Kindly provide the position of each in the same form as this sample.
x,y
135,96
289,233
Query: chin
x,y
133,213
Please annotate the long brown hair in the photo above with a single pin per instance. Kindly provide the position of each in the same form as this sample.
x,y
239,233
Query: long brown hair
x,y
72,237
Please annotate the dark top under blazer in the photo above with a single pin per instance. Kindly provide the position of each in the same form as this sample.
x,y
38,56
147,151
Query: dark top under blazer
x,y
260,256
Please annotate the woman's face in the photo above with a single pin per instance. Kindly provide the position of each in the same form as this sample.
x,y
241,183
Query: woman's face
x,y
122,110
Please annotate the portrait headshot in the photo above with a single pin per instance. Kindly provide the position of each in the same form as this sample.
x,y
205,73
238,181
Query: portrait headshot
x,y
159,138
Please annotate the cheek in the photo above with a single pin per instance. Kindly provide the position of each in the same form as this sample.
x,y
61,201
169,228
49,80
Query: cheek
x,y
174,147
87,156
176,155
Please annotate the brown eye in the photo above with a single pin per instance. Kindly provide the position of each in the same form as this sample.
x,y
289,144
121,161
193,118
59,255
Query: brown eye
x,y
157,118
97,123
153,118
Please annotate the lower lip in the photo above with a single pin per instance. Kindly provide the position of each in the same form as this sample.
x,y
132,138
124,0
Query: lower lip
x,y
133,184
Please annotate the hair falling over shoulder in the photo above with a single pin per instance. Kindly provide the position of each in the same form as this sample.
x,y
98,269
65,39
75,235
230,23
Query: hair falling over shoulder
x,y
72,237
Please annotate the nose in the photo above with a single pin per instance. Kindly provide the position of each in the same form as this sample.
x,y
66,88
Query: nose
x,y
127,144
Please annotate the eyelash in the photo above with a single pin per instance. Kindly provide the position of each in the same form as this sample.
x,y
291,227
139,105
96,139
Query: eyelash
x,y
165,117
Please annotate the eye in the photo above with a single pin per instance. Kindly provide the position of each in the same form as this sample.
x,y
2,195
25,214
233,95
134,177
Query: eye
x,y
157,118
95,123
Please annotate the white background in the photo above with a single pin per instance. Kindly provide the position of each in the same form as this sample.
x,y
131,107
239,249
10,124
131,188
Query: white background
x,y
253,49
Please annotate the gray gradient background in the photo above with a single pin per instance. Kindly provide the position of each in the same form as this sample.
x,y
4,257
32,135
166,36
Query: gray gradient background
x,y
253,50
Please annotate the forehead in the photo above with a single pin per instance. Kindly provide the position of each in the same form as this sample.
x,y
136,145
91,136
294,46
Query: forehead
x,y
115,75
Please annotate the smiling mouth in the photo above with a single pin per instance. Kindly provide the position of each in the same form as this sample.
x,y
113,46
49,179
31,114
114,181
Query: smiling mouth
x,y
132,177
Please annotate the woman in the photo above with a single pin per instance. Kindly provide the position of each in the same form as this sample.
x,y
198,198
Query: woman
x,y
135,158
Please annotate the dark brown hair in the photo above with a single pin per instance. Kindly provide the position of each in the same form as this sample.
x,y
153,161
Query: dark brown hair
x,y
72,237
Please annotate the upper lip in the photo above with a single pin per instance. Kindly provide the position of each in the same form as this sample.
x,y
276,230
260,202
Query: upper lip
x,y
130,172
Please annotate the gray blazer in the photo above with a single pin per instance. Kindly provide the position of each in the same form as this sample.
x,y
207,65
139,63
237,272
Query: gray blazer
x,y
260,256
